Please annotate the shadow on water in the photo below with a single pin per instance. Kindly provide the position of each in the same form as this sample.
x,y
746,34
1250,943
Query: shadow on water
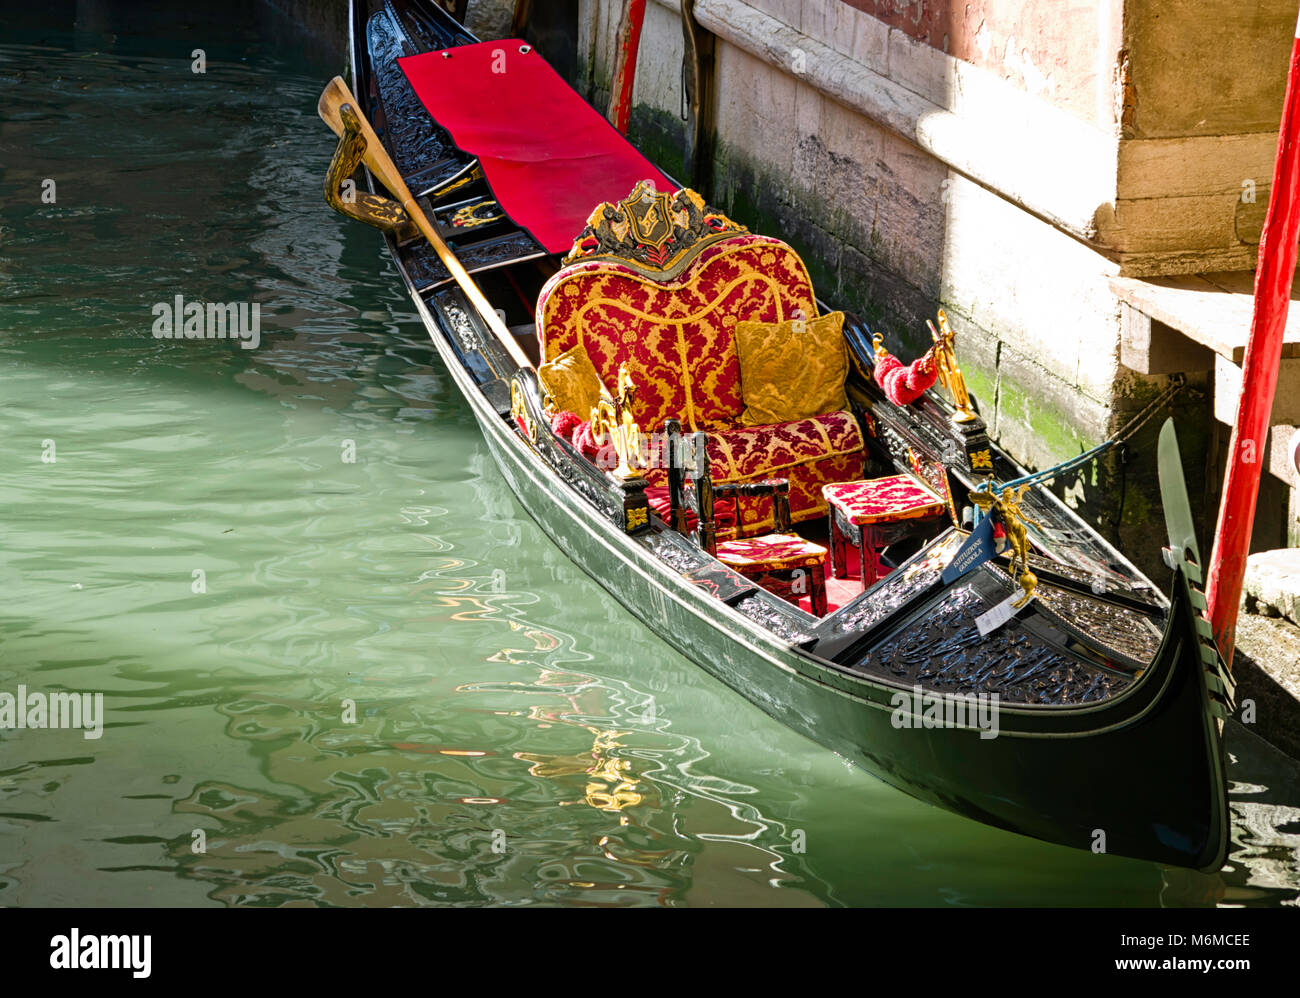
x,y
368,679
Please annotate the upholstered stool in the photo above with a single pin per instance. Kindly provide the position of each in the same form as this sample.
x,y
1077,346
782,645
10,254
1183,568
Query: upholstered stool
x,y
785,564
875,513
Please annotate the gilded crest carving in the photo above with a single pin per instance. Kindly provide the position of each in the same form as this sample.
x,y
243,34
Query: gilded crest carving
x,y
655,233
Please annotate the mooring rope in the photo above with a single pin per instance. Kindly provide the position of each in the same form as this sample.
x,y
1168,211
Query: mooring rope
x,y
1126,433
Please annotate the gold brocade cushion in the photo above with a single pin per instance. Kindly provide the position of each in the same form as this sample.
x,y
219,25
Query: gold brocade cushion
x,y
570,382
792,370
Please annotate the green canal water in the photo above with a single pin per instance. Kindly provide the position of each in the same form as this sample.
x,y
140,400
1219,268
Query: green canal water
x,y
181,531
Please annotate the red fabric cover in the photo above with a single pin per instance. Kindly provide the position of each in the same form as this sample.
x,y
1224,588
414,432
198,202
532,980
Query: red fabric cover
x,y
686,369
773,552
882,500
548,155
904,384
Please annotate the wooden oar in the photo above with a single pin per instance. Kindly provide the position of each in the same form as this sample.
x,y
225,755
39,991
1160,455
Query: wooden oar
x,y
335,96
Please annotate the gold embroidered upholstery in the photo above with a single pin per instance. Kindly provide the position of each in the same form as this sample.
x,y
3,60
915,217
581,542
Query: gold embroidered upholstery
x,y
658,284
570,382
678,338
792,370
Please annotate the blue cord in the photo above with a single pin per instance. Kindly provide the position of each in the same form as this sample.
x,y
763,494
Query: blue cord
x,y
1046,475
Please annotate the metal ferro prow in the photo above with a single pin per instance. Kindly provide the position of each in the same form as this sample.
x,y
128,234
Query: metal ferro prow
x,y
1183,555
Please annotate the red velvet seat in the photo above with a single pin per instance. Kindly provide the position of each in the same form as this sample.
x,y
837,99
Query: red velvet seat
x,y
880,511
658,283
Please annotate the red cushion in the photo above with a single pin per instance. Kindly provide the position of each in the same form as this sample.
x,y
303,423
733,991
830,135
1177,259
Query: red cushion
x,y
752,452
773,552
883,500
677,340
808,453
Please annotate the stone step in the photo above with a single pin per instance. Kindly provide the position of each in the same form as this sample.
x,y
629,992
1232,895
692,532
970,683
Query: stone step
x,y
1209,310
1201,323
1272,584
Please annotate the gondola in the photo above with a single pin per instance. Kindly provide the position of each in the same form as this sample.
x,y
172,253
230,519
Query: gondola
x,y
1046,687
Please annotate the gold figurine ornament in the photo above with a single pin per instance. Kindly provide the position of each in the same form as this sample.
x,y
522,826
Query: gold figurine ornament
x,y
613,416
1013,520
950,375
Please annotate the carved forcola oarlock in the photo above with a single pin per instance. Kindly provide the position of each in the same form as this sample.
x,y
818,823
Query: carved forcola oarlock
x,y
341,192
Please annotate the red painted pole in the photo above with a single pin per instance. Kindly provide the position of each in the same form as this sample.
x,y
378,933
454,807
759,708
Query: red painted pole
x,y
1273,277
629,43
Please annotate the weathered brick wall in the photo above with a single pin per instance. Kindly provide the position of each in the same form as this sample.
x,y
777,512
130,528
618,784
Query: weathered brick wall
x,y
1053,50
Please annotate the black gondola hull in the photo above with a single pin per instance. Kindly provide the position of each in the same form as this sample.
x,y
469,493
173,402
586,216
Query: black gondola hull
x,y
1139,774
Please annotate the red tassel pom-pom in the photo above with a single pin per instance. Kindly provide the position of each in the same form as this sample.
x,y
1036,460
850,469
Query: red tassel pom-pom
x,y
577,431
904,384
584,441
564,423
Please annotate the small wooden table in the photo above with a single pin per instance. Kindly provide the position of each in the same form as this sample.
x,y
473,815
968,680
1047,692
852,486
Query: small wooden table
x,y
875,513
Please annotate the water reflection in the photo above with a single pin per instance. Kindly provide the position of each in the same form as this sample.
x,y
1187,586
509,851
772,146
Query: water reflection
x,y
1264,790
549,786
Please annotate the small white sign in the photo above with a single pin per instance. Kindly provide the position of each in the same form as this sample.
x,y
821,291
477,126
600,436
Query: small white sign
x,y
993,619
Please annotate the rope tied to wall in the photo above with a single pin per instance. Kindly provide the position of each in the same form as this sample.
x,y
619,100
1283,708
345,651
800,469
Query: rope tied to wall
x,y
1126,433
